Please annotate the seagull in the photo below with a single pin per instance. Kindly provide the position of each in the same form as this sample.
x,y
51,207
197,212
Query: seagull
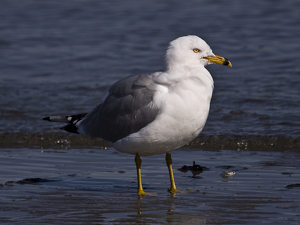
x,y
155,113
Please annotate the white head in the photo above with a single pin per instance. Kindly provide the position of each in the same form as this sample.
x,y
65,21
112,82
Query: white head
x,y
191,51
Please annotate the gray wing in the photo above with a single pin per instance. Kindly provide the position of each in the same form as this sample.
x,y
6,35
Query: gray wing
x,y
127,109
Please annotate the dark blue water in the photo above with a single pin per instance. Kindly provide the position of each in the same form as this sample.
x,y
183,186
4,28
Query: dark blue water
x,y
60,57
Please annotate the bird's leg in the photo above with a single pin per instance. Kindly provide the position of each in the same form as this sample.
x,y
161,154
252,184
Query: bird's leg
x,y
138,163
173,188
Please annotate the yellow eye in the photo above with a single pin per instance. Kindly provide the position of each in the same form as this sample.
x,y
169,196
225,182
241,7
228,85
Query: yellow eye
x,y
196,50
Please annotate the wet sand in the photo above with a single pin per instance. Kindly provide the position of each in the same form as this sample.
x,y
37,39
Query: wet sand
x,y
94,186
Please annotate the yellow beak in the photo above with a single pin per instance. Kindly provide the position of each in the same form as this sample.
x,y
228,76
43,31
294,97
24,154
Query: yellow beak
x,y
219,60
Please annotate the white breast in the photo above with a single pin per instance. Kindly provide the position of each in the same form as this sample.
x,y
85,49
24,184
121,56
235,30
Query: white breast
x,y
184,109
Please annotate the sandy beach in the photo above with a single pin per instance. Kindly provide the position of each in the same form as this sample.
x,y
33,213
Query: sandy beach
x,y
98,186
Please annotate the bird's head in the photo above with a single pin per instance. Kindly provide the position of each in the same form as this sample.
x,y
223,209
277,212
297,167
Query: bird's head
x,y
192,51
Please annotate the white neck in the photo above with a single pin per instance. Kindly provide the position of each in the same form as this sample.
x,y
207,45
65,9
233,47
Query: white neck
x,y
176,74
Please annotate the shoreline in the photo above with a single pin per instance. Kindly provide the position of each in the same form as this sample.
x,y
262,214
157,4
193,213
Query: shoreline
x,y
233,142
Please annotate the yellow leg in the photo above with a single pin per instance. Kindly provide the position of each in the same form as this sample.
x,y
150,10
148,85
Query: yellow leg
x,y
138,163
173,188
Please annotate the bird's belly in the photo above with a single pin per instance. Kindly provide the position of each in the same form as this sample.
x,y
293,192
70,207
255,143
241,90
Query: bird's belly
x,y
177,125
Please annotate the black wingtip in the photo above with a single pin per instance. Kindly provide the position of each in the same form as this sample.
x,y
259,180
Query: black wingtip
x,y
47,118
70,128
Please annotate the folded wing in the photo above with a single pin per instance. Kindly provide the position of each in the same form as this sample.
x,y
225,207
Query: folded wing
x,y
127,109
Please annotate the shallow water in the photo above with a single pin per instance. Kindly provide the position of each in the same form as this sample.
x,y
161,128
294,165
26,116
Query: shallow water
x,y
61,58
92,186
